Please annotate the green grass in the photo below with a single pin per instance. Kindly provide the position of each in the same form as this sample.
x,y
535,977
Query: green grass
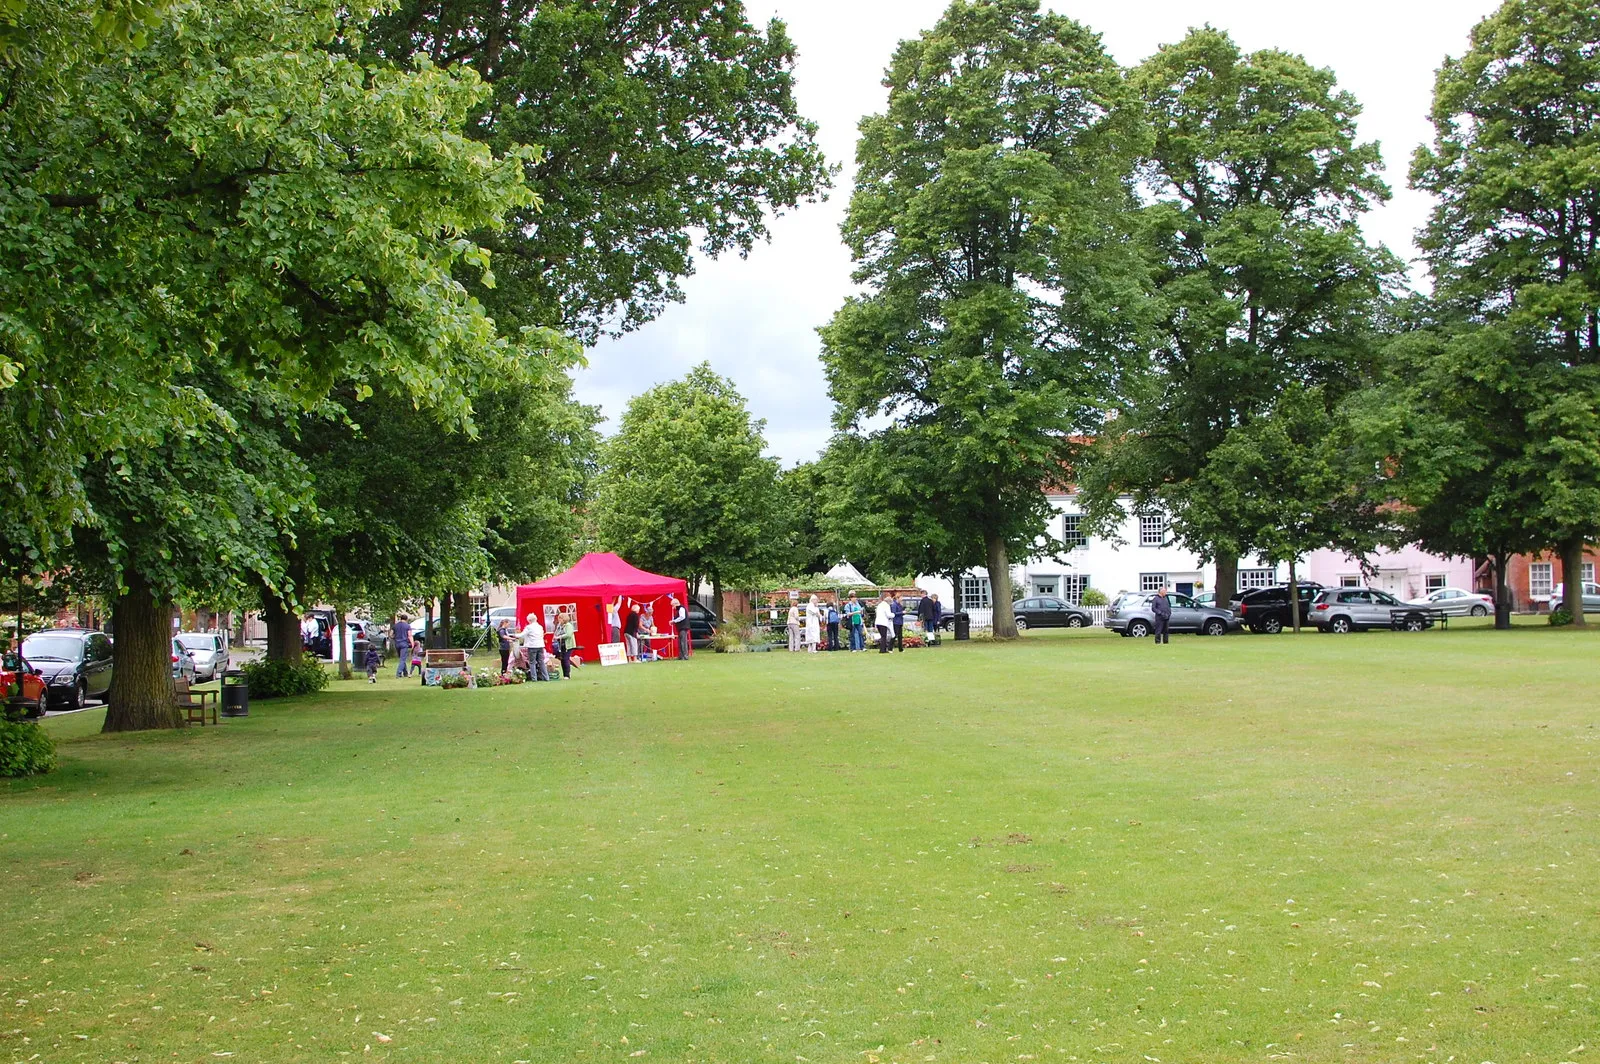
x,y
1376,847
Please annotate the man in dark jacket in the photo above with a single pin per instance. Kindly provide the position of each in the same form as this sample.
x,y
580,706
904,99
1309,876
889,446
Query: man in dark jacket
x,y
897,610
1161,610
926,614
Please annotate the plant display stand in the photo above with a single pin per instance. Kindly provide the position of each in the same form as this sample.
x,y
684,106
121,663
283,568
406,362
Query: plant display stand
x,y
446,668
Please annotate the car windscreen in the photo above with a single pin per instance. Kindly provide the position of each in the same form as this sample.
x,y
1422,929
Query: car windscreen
x,y
52,648
198,642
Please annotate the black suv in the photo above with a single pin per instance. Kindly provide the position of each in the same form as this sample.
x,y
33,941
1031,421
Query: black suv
x,y
1266,609
702,625
75,663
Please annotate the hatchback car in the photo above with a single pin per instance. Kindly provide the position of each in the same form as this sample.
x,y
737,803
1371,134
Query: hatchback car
x,y
75,663
1130,616
22,687
1456,603
183,666
1047,611
209,651
1591,597
1352,609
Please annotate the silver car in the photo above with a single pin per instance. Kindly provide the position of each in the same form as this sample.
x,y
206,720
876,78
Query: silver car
x,y
1352,609
1130,616
1456,603
1591,597
209,651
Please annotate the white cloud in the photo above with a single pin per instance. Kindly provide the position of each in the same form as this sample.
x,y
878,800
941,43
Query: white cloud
x,y
754,319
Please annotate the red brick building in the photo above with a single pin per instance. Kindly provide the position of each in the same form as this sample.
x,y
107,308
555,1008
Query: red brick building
x,y
1534,576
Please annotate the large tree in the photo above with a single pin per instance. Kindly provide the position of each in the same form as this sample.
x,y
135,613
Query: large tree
x,y
989,225
1514,248
1264,278
685,487
231,211
662,123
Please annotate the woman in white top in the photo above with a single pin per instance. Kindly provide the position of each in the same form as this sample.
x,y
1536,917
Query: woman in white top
x,y
813,625
794,627
883,621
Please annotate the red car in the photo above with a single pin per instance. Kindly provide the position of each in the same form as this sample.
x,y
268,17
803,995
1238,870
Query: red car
x,y
21,686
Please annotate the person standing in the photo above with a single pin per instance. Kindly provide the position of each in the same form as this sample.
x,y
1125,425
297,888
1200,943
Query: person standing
x,y
897,611
938,619
813,626
372,663
402,645
884,622
533,646
833,626
925,615
794,627
1161,611
856,623
614,620
566,638
680,626
503,634
630,631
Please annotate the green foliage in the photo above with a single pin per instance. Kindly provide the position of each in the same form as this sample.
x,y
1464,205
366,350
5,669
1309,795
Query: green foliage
x,y
1516,268
1264,279
1093,596
465,635
25,749
990,224
684,487
1560,617
662,123
282,679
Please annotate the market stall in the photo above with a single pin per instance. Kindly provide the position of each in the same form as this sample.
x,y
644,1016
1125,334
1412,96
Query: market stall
x,y
587,587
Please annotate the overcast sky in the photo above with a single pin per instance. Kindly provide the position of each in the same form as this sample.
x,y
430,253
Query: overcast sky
x,y
755,319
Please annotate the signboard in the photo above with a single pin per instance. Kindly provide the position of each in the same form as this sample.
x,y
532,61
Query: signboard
x,y
613,654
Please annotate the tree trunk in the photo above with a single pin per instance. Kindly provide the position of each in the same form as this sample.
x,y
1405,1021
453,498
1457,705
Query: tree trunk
x,y
445,602
141,678
463,612
341,644
1005,618
716,596
432,640
1227,588
1294,598
1502,591
283,630
1572,576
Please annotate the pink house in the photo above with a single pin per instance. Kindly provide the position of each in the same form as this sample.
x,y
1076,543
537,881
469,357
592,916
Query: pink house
x,y
1407,573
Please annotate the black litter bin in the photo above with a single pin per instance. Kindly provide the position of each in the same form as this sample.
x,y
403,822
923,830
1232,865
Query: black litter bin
x,y
963,626
235,694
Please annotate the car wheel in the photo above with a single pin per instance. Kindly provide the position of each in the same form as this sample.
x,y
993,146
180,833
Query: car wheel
x,y
39,705
1022,624
1339,626
1138,629
80,694
1480,611
1415,622
1215,627
1271,626
1074,621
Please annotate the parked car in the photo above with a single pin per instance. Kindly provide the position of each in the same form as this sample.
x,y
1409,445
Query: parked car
x,y
183,666
1130,616
1265,610
22,687
504,613
1352,609
1047,611
209,651
75,663
1591,597
702,624
1455,602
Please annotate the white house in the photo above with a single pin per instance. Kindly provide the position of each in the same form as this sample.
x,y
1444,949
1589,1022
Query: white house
x,y
1141,557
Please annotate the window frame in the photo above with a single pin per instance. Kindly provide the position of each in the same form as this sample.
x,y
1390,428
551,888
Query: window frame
x,y
977,593
1254,579
1072,535
1432,582
1548,571
1150,583
1073,585
1158,523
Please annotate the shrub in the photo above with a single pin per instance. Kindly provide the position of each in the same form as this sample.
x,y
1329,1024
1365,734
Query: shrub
x,y
25,749
279,679
1560,616
1093,596
465,635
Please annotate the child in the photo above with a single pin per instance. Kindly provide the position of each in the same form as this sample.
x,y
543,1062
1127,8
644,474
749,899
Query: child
x,y
372,664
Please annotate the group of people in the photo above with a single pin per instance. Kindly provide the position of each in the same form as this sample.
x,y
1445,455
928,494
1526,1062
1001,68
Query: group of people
x,y
807,623
563,641
632,623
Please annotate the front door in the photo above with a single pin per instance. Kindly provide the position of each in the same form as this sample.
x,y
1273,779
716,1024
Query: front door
x,y
1046,585
1186,587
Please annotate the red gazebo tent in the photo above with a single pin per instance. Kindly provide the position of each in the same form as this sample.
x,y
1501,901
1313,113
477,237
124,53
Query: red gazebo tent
x,y
596,580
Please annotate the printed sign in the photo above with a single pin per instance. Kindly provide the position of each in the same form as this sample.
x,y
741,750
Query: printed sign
x,y
613,654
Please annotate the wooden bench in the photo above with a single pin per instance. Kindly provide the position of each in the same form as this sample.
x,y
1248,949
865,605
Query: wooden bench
x,y
193,703
437,664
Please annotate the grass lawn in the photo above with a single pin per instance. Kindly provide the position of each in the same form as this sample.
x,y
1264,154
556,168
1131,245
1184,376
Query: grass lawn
x,y
1375,847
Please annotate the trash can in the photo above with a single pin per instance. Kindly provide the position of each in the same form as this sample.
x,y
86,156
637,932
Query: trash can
x,y
963,625
235,694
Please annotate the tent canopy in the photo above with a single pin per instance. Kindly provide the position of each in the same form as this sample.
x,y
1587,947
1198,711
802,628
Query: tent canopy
x,y
604,575
846,575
